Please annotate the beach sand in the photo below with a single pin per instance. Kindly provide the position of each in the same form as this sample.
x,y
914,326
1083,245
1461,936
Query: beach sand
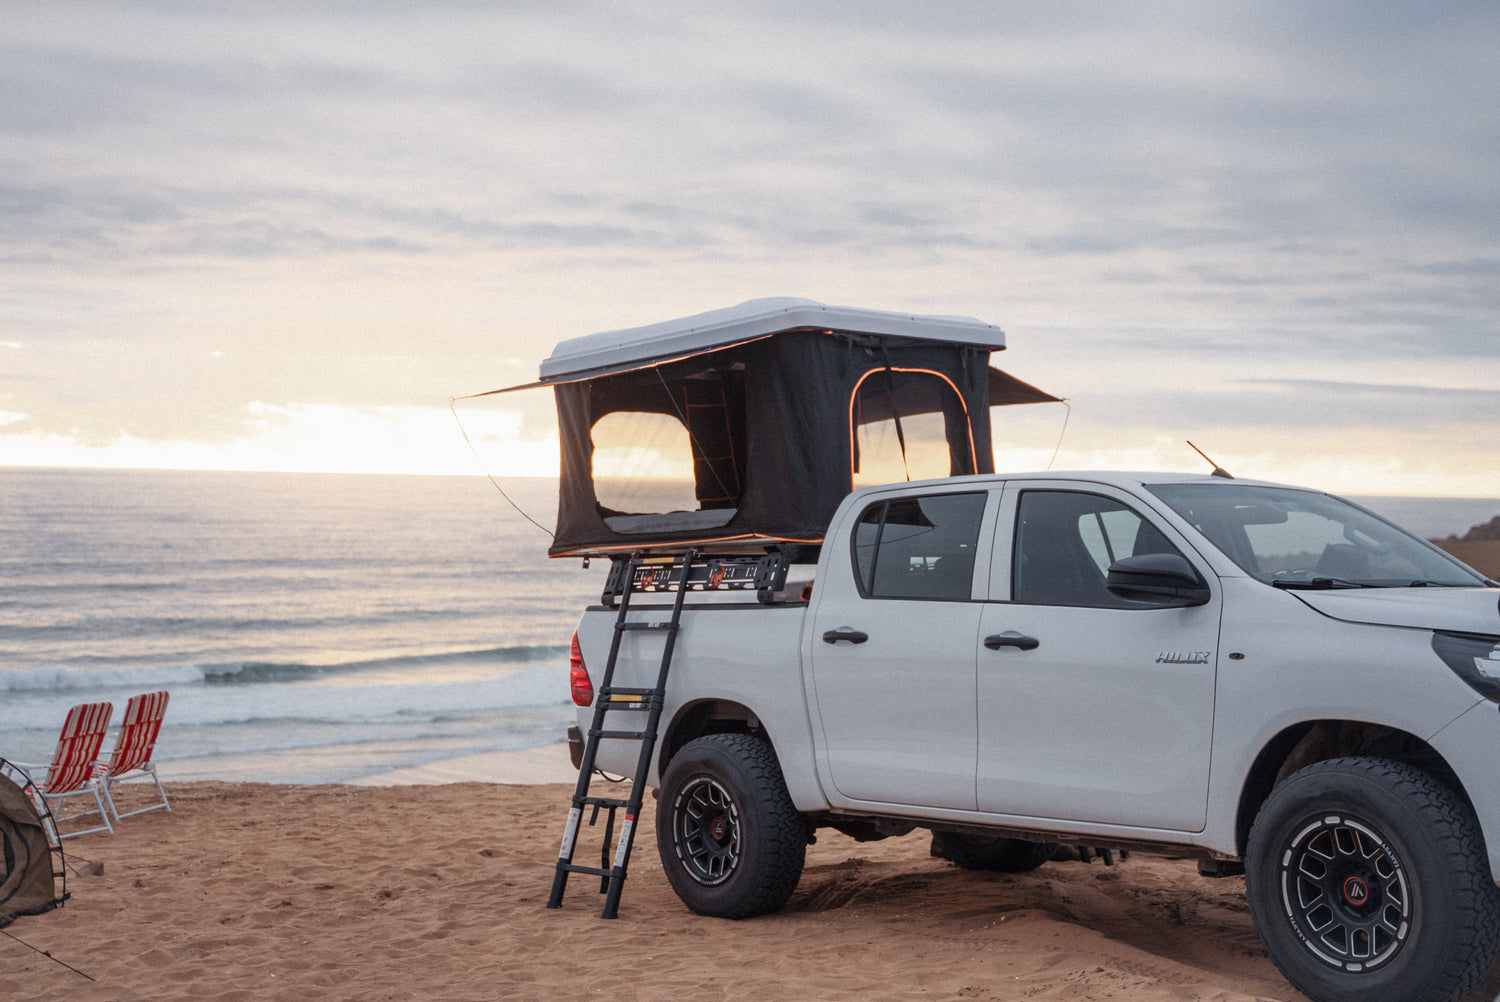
x,y
261,892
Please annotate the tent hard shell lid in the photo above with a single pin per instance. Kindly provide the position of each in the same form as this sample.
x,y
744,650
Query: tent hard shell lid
x,y
609,351
772,394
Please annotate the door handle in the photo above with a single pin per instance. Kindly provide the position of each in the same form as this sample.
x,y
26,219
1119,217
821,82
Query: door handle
x,y
844,633
1010,638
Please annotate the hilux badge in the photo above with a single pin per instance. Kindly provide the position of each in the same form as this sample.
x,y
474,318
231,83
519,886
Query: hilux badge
x,y
1185,657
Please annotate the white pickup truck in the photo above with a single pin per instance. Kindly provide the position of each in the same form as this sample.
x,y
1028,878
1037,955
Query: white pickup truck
x,y
1267,677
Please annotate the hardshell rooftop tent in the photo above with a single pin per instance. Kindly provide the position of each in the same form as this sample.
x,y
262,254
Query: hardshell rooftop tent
x,y
771,393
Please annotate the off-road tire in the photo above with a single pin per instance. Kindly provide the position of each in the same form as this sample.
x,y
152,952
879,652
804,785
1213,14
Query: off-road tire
x,y
990,852
730,840
1368,880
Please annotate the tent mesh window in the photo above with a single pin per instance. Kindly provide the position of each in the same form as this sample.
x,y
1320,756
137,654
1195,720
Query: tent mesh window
x,y
646,429
908,425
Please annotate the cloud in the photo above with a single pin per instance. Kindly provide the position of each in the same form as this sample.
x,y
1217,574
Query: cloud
x,y
1295,405
1180,212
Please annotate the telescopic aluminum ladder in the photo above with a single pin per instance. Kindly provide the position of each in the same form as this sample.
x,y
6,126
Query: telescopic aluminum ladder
x,y
610,696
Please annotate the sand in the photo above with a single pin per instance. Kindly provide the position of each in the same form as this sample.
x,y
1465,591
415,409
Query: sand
x,y
255,891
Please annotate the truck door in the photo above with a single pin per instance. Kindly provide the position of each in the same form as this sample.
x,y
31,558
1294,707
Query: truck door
x,y
893,642
1091,708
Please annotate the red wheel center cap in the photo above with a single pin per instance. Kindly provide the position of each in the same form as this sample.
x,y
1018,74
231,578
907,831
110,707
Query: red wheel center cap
x,y
1356,891
718,830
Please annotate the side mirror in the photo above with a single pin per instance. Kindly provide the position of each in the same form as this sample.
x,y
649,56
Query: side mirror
x,y
1159,578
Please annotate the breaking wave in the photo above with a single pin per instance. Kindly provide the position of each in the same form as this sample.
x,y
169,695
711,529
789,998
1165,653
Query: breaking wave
x,y
57,679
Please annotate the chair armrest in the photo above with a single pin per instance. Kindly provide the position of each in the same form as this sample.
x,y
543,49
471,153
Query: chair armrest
x,y
29,766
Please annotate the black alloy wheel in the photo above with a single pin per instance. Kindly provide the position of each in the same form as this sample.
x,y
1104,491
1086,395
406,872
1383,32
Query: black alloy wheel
x,y
706,830
1369,881
730,840
1345,890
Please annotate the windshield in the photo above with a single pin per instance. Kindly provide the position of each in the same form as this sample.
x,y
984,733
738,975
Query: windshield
x,y
1303,539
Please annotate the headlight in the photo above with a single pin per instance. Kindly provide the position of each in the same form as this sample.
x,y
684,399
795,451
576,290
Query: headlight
x,y
1475,657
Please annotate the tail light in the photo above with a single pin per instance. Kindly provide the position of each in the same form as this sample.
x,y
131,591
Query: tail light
x,y
578,675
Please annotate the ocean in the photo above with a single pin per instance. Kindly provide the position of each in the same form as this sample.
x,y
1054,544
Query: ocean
x,y
313,628
309,628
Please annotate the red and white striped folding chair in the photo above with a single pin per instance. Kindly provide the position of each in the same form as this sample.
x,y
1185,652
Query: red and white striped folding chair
x,y
131,758
71,771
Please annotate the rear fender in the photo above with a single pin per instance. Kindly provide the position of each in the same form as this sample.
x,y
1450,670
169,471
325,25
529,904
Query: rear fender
x,y
726,716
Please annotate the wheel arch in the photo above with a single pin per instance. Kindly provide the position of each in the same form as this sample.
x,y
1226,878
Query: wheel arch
x,y
707,716
1302,744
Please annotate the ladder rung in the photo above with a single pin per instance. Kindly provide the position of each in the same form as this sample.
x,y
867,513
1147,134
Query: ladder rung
x,y
616,690
604,802
617,734
633,625
597,871
630,702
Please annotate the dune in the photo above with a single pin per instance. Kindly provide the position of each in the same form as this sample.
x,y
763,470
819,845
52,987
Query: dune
x,y
1482,555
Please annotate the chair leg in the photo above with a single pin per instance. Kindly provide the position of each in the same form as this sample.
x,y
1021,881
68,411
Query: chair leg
x,y
149,769
55,800
100,796
102,782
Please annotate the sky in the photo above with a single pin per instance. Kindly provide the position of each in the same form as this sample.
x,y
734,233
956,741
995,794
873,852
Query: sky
x,y
285,235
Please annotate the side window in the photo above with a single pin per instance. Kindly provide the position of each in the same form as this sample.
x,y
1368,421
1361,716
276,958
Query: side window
x,y
1065,542
918,547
